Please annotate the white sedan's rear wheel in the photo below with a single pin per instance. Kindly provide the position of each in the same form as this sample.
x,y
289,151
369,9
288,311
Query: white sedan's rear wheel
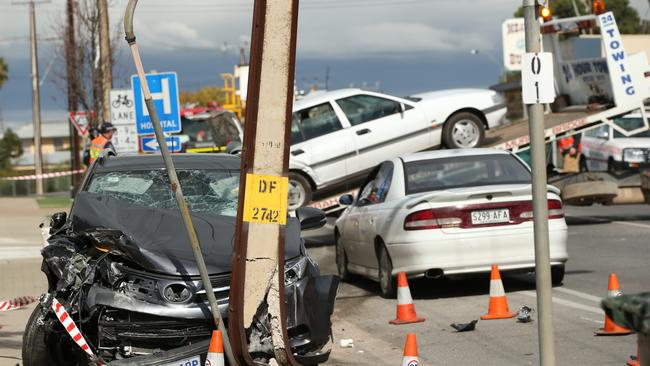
x,y
341,260
387,282
299,191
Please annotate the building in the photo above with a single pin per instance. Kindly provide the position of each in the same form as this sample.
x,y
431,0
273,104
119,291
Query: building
x,y
55,145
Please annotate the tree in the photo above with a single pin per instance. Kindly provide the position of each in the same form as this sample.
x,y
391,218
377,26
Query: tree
x,y
88,89
204,96
627,18
10,147
4,72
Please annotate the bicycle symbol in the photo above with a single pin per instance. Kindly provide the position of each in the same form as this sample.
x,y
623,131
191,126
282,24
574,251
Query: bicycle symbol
x,y
122,100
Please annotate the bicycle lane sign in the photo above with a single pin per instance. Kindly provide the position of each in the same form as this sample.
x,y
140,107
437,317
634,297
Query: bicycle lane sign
x,y
123,118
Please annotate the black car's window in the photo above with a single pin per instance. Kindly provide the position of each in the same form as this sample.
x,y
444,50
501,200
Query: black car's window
x,y
377,190
363,108
314,122
464,171
208,191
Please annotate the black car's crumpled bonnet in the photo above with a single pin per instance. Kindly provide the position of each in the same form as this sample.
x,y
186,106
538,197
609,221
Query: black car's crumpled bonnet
x,y
156,238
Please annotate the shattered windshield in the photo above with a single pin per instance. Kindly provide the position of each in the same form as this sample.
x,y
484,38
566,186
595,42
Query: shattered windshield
x,y
207,191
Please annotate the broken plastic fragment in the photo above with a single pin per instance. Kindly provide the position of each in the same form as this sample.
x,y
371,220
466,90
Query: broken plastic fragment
x,y
464,327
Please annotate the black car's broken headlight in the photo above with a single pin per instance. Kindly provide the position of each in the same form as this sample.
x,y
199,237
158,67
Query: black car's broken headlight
x,y
297,268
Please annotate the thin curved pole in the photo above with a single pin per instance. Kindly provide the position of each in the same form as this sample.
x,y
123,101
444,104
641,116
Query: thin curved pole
x,y
173,180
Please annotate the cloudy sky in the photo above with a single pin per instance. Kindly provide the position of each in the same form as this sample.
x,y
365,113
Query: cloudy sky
x,y
403,46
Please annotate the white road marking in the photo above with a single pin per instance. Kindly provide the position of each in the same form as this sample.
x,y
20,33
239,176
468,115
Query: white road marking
x,y
635,224
578,294
27,252
568,303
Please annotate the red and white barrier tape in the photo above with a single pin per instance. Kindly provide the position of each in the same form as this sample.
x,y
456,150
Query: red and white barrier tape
x,y
16,303
45,175
70,327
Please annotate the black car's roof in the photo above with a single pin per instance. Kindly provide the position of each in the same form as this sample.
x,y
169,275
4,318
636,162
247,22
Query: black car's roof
x,y
181,161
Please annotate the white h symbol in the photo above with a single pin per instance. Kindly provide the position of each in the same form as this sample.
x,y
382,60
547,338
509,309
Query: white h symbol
x,y
164,95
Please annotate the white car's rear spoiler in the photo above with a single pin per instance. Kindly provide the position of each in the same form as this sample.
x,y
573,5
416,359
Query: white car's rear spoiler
x,y
451,196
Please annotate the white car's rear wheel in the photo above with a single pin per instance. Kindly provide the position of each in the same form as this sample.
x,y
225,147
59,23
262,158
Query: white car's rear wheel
x,y
387,282
341,260
299,191
463,130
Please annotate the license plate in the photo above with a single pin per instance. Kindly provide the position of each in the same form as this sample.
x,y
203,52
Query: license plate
x,y
490,216
192,361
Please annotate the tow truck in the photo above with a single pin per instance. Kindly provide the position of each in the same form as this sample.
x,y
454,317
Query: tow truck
x,y
613,100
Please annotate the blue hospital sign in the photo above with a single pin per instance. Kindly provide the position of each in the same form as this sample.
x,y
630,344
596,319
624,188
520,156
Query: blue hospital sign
x,y
164,92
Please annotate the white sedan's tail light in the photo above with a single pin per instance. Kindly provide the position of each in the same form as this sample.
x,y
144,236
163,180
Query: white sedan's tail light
x,y
460,216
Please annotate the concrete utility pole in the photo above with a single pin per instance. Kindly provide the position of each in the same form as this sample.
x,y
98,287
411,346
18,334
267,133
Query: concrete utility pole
x,y
73,101
540,202
105,59
258,263
36,101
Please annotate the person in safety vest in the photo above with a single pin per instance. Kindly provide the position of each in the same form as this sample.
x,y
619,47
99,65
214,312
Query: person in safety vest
x,y
102,141
570,148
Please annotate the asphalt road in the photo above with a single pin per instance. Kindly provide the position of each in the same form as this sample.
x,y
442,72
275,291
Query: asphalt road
x,y
602,240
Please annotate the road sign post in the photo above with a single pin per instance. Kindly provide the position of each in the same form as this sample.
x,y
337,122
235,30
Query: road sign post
x,y
164,94
534,69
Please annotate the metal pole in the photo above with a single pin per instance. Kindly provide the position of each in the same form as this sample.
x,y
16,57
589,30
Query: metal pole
x,y
540,203
71,61
36,101
105,59
174,182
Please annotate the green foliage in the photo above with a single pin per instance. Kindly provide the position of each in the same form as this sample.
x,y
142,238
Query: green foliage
x,y
204,96
10,147
626,16
4,72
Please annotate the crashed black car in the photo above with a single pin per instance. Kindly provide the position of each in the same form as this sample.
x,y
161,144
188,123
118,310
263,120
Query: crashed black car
x,y
121,265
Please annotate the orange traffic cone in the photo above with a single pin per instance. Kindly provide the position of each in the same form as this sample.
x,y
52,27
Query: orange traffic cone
x,y
498,303
410,351
634,361
215,352
405,309
611,328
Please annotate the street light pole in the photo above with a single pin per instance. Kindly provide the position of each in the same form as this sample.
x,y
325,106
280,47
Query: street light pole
x,y
105,60
540,202
36,101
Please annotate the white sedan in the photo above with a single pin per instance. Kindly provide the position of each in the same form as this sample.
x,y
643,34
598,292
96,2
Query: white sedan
x,y
341,135
445,213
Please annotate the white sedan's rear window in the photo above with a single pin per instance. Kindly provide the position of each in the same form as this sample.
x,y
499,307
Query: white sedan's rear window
x,y
464,171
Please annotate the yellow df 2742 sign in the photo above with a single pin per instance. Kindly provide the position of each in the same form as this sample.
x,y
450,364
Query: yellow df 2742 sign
x,y
266,199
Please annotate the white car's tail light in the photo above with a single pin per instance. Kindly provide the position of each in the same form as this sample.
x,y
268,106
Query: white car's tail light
x,y
460,216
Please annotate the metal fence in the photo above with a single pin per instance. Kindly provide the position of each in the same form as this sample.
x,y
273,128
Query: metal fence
x,y
18,188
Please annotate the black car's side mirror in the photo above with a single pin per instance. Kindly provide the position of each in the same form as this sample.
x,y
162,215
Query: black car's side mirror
x,y
310,218
57,221
346,200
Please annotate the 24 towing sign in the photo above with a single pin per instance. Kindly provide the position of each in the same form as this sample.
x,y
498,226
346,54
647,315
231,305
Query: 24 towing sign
x,y
164,92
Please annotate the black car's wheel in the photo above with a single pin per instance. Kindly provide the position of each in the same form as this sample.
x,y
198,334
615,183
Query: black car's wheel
x,y
299,191
387,282
341,259
557,274
463,130
42,346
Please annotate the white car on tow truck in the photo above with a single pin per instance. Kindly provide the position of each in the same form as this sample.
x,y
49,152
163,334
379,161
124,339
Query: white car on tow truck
x,y
340,135
606,149
445,213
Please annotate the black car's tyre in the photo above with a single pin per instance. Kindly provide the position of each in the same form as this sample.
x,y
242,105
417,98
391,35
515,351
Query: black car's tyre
x,y
557,274
299,191
463,130
41,346
387,282
341,259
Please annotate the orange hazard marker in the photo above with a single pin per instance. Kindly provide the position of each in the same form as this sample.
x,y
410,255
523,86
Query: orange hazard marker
x,y
405,308
410,351
634,361
498,303
215,352
611,328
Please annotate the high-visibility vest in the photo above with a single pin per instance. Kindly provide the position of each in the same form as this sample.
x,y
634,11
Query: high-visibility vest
x,y
96,147
567,143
